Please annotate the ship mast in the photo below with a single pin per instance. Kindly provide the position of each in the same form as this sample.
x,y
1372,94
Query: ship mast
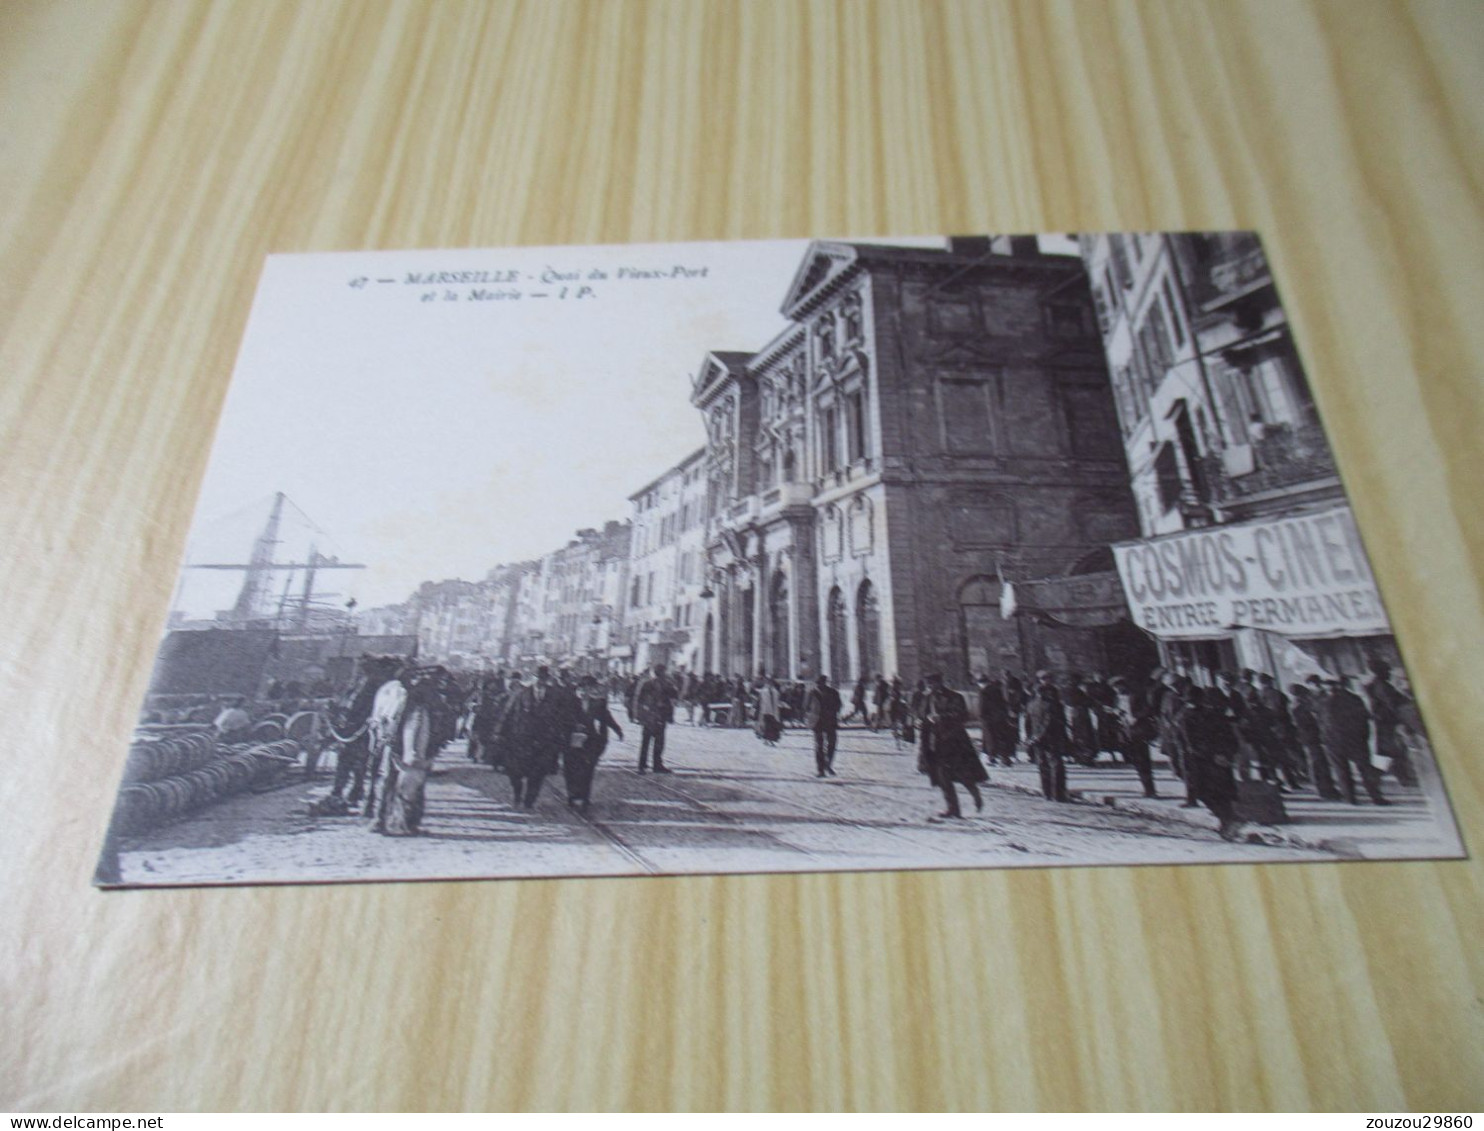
x,y
254,578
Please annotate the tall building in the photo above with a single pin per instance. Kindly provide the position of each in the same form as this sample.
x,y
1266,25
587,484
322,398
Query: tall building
x,y
931,424
581,585
468,625
1249,556
663,607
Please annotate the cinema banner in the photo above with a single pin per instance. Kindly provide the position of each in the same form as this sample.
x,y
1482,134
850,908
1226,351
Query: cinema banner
x,y
1303,575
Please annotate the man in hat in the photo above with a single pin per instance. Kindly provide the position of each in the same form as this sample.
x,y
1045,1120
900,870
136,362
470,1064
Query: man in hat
x,y
1345,726
1389,709
948,755
540,722
1046,736
822,713
654,710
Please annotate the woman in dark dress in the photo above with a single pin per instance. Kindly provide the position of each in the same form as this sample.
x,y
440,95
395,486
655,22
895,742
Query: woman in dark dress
x,y
1211,747
769,724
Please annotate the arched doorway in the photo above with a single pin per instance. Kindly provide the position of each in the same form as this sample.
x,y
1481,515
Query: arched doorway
x,y
868,630
780,664
708,646
839,645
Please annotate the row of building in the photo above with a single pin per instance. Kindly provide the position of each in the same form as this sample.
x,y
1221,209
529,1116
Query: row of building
x,y
971,458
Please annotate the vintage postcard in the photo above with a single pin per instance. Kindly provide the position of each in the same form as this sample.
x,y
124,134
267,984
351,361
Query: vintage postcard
x,y
781,556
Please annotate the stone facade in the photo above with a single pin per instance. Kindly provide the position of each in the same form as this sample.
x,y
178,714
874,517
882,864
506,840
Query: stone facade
x,y
1217,419
662,608
932,421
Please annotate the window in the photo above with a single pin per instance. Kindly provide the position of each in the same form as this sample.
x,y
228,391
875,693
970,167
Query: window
x,y
829,444
852,318
1130,403
953,314
1119,255
963,408
1167,473
855,424
824,337
1174,313
1067,319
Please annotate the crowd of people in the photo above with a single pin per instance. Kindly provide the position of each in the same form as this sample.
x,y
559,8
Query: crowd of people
x,y
1329,735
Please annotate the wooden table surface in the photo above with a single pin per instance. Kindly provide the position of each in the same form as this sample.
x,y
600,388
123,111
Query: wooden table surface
x,y
152,153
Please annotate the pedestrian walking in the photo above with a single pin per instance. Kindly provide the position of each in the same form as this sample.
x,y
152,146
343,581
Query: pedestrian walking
x,y
1345,728
737,694
1310,744
947,755
1284,741
1081,728
589,740
484,711
997,731
1135,726
1016,698
1172,702
1046,737
654,710
880,695
769,711
1390,708
690,694
822,714
858,702
538,729
1211,754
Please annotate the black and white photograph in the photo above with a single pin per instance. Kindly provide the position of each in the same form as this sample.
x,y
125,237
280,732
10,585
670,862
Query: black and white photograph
x,y
772,556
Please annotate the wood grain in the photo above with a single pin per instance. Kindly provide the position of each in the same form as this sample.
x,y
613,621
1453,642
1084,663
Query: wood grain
x,y
152,153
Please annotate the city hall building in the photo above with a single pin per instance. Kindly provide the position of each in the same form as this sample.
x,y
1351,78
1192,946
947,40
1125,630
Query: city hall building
x,y
933,425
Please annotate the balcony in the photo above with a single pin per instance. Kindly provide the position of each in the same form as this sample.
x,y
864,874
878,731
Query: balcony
x,y
786,495
843,476
1232,276
1285,456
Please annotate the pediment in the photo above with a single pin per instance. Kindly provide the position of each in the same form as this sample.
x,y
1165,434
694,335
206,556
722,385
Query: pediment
x,y
822,263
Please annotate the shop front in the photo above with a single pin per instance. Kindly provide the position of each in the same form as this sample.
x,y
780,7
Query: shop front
x,y
1293,596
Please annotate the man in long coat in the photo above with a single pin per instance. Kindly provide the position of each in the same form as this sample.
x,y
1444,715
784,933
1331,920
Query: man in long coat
x,y
1390,707
1345,727
538,727
1306,733
948,755
589,740
997,729
822,714
1210,757
1046,737
653,710
1136,725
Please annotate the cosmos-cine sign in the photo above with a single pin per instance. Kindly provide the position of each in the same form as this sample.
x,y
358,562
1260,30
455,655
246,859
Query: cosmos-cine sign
x,y
1301,575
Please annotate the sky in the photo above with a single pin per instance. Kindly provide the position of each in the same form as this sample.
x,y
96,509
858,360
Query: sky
x,y
431,438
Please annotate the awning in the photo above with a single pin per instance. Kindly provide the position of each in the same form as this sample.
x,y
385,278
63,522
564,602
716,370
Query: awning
x,y
1084,600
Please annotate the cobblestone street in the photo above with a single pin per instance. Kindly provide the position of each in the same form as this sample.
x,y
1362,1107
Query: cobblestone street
x,y
735,805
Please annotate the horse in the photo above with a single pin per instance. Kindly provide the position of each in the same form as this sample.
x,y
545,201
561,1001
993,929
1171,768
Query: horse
x,y
349,726
412,717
